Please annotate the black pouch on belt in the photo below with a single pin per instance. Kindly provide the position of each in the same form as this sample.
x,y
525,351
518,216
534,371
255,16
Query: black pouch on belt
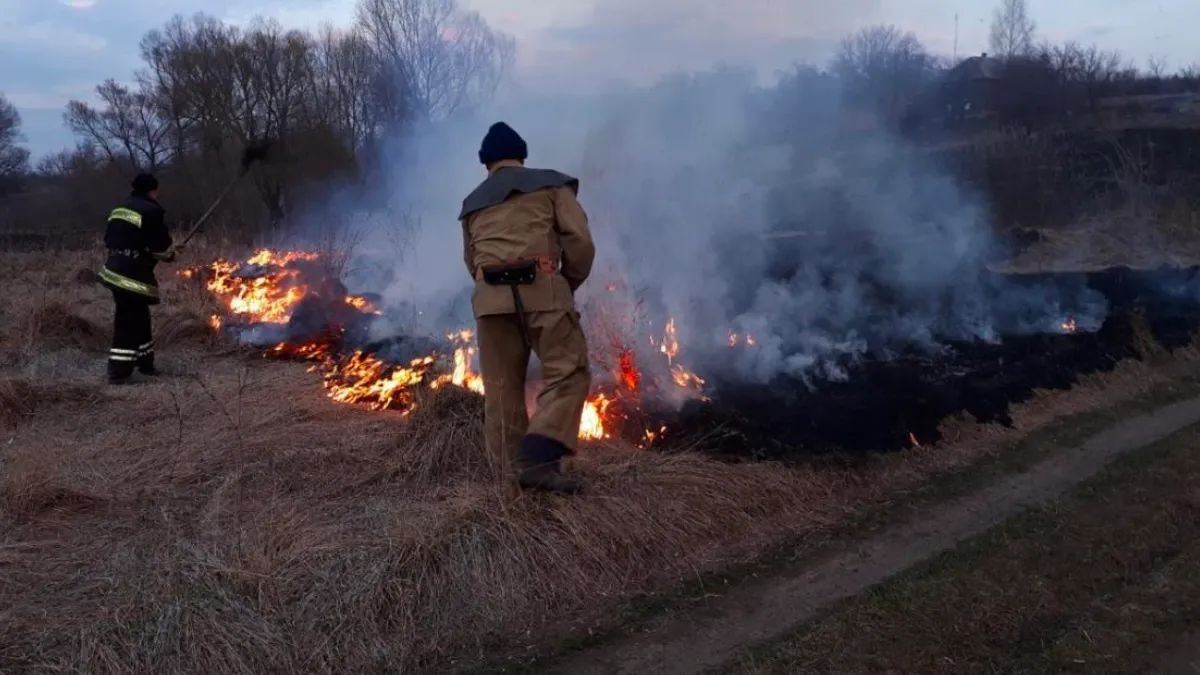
x,y
514,275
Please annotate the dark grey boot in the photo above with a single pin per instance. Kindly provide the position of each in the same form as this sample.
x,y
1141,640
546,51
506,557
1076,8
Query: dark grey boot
x,y
539,467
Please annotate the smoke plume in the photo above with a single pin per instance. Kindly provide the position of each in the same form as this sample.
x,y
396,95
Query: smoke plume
x,y
732,205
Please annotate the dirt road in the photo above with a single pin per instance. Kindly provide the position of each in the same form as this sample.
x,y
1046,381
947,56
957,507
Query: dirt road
x,y
771,607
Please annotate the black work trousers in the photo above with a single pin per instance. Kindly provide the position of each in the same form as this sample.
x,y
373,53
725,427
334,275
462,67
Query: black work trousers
x,y
133,344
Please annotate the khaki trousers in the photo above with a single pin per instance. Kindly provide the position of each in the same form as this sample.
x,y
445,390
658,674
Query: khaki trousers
x,y
561,347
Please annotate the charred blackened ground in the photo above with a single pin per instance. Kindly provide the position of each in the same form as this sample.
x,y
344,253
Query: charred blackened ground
x,y
889,402
1061,327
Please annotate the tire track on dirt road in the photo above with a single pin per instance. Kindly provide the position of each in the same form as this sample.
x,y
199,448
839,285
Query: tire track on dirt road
x,y
771,607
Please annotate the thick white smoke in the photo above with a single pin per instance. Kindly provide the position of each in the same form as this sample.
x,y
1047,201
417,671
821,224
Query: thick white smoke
x,y
729,205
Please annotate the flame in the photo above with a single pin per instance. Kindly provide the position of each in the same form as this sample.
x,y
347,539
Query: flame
x,y
735,340
1070,325
591,423
268,298
912,438
366,380
627,370
308,350
362,304
463,376
215,322
650,436
687,379
269,286
266,257
670,342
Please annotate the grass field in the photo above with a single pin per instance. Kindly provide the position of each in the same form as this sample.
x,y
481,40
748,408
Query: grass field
x,y
1106,580
229,518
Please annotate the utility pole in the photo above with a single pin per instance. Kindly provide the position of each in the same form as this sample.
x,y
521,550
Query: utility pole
x,y
956,38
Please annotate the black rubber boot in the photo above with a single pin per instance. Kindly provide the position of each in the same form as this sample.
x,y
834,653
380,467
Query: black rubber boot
x,y
539,467
119,372
145,365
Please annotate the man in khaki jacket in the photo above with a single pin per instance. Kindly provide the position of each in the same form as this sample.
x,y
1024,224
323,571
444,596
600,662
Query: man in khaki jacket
x,y
527,245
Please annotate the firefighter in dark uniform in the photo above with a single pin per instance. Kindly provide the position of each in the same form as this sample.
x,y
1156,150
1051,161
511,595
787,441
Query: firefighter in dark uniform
x,y
137,240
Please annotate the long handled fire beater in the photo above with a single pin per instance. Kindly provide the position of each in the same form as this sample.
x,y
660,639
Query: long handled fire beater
x,y
253,154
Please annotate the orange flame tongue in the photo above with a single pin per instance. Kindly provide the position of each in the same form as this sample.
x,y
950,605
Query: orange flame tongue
x,y
366,380
270,297
628,371
361,304
463,376
591,424
670,342
266,257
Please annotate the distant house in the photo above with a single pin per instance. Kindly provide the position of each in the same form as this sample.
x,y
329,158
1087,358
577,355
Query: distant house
x,y
969,94
973,88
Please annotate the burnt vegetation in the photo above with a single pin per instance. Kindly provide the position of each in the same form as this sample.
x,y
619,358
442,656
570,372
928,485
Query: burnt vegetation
x,y
901,400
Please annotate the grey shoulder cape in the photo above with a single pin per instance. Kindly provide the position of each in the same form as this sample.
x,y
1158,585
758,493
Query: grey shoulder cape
x,y
502,184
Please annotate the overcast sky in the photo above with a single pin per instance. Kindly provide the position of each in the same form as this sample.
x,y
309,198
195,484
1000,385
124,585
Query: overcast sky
x,y
55,50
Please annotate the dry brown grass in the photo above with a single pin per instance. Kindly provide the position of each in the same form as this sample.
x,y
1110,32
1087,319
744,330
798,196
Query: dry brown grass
x,y
20,398
233,520
52,324
16,401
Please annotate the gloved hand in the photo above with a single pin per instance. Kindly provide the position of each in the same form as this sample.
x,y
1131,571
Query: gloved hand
x,y
168,255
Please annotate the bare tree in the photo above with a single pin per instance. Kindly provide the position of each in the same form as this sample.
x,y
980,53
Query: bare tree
x,y
340,84
883,66
322,99
1012,29
1090,65
1093,71
1156,66
128,128
14,160
440,56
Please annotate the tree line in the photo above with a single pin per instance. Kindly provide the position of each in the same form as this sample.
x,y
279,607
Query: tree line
x,y
328,99
325,100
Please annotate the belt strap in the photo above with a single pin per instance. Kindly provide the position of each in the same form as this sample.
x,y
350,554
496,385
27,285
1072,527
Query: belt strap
x,y
546,264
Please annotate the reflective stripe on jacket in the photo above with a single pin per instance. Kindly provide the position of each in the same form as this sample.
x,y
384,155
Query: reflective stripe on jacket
x,y
128,215
124,283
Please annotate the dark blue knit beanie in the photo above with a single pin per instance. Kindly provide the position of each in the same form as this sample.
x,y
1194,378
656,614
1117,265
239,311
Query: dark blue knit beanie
x,y
502,143
144,183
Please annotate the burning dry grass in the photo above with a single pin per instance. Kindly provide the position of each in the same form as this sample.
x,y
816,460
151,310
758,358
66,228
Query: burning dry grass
x,y
234,520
